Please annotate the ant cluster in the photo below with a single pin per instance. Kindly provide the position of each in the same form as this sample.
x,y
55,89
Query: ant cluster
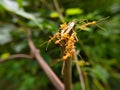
x,y
66,38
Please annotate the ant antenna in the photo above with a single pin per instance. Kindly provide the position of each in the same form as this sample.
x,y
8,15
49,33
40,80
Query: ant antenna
x,y
103,19
100,21
101,27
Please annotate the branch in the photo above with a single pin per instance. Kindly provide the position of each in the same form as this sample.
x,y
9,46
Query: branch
x,y
51,75
58,10
79,72
15,56
68,74
46,4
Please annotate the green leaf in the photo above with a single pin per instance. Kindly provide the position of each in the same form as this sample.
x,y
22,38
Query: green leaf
x,y
12,6
5,36
97,83
100,73
74,11
5,55
77,86
54,15
19,47
20,2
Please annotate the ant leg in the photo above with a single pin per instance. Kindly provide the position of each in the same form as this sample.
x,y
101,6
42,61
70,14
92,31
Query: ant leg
x,y
101,27
103,19
84,21
48,44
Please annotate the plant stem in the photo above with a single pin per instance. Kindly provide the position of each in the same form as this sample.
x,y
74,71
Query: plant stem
x,y
79,72
68,74
67,71
58,10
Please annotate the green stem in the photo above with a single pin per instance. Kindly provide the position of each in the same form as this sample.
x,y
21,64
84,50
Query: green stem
x,y
79,73
58,10
68,74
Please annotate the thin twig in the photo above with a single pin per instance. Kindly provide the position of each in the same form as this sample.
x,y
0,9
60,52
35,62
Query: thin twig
x,y
58,10
15,56
79,72
51,75
47,5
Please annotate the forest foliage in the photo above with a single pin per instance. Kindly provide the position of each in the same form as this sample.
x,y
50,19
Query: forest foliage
x,y
100,49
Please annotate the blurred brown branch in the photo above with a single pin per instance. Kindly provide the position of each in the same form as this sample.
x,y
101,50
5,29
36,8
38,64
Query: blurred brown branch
x,y
35,53
15,56
51,75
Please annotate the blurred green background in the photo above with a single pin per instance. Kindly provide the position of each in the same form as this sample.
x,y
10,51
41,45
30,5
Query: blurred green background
x,y
101,49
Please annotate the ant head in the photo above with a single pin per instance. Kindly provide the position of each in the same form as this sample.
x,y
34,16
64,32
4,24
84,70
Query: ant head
x,y
94,22
63,26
